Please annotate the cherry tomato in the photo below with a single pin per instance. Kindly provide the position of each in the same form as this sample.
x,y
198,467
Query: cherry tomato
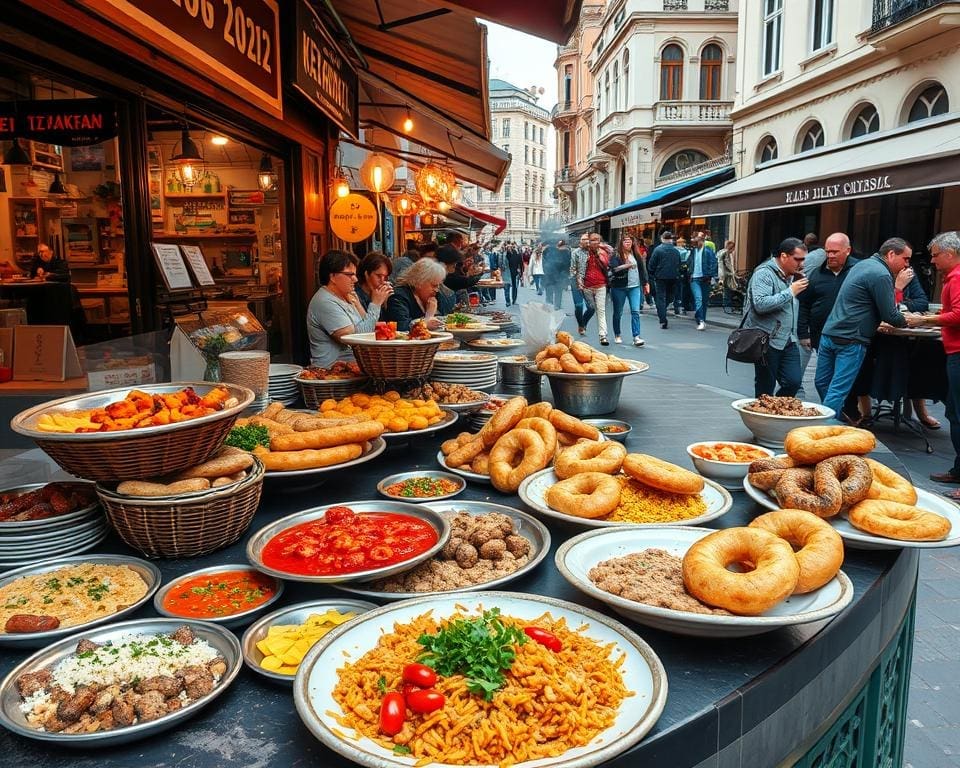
x,y
423,702
544,637
393,712
407,688
420,675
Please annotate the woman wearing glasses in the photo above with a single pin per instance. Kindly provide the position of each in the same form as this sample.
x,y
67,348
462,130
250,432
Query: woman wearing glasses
x,y
335,309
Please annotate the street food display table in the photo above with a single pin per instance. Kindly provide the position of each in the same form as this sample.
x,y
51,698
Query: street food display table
x,y
804,695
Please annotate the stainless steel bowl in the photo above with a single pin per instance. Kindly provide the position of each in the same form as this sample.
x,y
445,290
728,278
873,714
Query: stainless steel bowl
x,y
516,371
620,437
25,422
431,474
147,571
291,614
232,621
449,419
259,540
13,719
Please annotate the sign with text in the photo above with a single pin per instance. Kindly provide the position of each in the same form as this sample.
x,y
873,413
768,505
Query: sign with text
x,y
66,122
169,260
234,43
197,264
44,353
353,218
322,72
635,218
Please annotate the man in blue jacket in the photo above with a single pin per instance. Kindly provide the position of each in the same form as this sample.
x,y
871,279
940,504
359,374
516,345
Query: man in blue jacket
x,y
703,274
864,300
664,268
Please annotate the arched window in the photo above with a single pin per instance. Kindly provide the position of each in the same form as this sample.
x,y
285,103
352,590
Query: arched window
x,y
812,137
866,121
711,69
680,161
671,73
606,92
616,86
932,102
626,79
768,151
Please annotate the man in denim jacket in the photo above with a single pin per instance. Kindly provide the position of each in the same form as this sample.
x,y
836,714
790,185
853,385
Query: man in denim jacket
x,y
772,307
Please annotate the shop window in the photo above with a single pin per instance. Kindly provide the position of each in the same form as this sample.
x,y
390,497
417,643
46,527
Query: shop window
x,y
772,36
507,217
671,73
821,24
932,102
866,121
812,137
768,151
680,161
711,69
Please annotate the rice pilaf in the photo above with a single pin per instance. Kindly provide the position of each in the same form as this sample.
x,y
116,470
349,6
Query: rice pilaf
x,y
551,701
640,503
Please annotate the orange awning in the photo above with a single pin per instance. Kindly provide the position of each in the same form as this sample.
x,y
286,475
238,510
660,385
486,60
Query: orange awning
x,y
486,218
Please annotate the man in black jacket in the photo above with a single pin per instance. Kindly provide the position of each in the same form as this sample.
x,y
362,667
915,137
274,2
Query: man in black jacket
x,y
664,269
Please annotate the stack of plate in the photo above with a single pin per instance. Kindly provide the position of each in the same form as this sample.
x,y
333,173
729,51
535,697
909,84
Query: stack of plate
x,y
283,387
30,541
477,370
477,419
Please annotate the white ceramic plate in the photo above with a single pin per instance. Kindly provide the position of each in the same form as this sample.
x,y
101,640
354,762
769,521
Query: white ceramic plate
x,y
642,671
578,555
463,358
533,492
497,343
858,539
466,473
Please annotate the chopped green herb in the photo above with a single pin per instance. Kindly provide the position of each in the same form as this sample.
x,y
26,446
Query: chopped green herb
x,y
248,437
97,591
382,684
401,749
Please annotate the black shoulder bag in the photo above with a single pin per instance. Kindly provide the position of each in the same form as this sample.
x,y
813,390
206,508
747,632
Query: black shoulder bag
x,y
749,345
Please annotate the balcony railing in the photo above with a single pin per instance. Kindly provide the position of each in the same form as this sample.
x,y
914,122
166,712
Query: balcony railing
x,y
716,5
708,5
695,170
887,13
560,106
564,175
674,5
694,111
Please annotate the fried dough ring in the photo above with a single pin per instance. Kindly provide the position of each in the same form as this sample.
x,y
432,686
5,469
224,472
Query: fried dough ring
x,y
570,364
538,411
583,352
766,473
887,485
465,454
551,365
606,457
773,578
854,476
818,547
564,338
814,491
810,445
661,474
590,495
515,456
502,420
546,430
898,521
564,422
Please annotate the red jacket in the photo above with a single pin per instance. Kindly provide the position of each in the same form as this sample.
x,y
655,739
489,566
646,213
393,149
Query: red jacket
x,y
950,314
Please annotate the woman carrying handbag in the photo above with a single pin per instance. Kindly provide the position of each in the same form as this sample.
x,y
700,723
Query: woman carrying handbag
x,y
628,283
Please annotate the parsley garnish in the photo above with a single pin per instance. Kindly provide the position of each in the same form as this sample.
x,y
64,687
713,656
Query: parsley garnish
x,y
401,749
481,649
97,591
382,684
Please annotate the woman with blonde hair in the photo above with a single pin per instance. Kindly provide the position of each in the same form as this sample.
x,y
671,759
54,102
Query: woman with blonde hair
x,y
415,296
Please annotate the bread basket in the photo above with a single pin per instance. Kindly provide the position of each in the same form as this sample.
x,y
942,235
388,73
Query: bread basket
x,y
315,391
396,358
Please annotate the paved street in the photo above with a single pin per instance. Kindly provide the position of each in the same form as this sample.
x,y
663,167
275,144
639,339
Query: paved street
x,y
681,353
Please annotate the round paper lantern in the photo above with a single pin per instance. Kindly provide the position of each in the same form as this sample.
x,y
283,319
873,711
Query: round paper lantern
x,y
377,172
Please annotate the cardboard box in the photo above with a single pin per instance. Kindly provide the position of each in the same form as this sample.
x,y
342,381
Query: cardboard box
x,y
12,317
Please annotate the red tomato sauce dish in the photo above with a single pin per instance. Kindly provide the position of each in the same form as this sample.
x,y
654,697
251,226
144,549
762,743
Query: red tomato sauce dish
x,y
216,595
344,541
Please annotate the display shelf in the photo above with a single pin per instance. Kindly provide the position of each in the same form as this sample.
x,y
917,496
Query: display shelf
x,y
206,236
194,196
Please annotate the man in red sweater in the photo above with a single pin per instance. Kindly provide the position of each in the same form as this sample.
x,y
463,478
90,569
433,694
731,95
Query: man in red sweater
x,y
945,255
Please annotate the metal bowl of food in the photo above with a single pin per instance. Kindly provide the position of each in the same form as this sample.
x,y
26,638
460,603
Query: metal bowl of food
x,y
770,429
293,562
421,485
612,429
230,595
589,394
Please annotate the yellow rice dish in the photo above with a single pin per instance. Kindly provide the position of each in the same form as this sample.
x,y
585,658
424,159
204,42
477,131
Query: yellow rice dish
x,y
640,503
74,594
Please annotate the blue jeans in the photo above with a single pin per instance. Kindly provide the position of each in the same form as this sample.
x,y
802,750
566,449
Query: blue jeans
x,y
953,405
782,367
837,369
665,295
536,284
700,286
619,297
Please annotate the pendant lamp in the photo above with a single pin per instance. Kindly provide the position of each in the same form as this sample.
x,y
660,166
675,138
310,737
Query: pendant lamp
x,y
266,177
56,186
16,155
377,172
188,163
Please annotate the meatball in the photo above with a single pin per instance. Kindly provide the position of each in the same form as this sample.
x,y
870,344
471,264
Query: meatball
x,y
493,549
86,646
482,534
197,681
167,686
183,635
449,551
467,556
150,706
31,682
71,708
517,545
174,704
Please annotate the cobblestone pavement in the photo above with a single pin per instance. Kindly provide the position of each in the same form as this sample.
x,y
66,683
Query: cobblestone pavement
x,y
697,357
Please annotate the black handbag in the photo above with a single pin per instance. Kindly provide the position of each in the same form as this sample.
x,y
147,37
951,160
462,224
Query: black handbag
x,y
749,345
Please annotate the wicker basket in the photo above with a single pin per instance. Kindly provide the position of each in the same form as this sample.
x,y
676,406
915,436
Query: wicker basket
x,y
315,391
185,526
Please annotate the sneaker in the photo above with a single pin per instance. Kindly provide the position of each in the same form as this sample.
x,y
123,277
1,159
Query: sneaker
x,y
617,340
582,331
604,342
701,326
638,342
663,325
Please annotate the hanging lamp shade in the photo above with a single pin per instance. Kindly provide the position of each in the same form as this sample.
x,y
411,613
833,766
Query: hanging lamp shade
x,y
266,176
377,172
16,155
435,183
56,186
188,162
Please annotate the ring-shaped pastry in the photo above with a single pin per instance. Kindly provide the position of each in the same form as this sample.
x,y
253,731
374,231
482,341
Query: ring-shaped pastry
x,y
564,422
766,473
502,421
606,457
817,546
814,491
546,430
888,485
809,445
898,521
854,476
514,457
590,495
661,474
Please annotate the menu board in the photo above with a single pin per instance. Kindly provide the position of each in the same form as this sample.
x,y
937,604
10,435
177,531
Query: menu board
x,y
172,268
197,264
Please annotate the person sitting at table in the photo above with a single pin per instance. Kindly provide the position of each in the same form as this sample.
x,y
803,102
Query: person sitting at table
x,y
374,271
46,266
416,295
335,309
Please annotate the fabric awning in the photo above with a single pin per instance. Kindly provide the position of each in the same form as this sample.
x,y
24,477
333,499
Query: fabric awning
x,y
486,218
553,20
899,161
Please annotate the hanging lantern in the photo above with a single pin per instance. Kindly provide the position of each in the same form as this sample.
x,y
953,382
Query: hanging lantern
x,y
56,186
16,155
266,177
340,184
435,183
408,202
377,172
188,163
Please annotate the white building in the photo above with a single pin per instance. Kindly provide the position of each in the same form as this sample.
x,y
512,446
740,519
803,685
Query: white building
x,y
519,126
663,81
847,118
